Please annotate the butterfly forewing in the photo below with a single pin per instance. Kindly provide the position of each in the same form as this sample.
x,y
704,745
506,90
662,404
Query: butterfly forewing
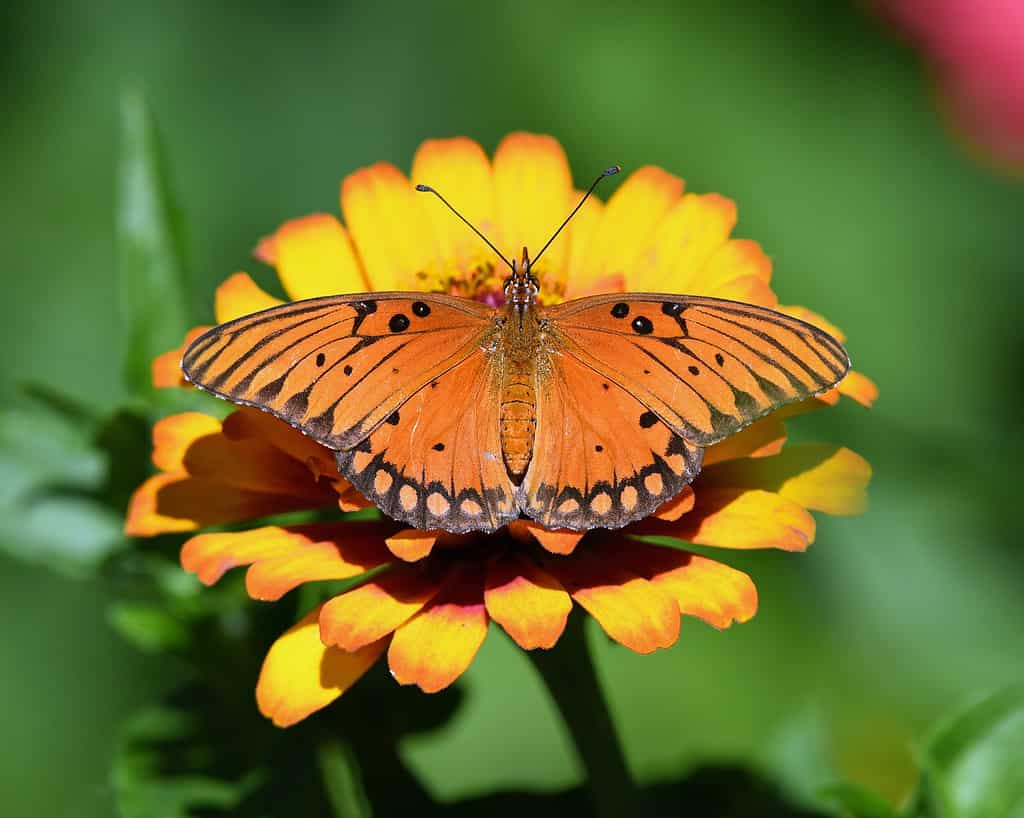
x,y
336,367
706,367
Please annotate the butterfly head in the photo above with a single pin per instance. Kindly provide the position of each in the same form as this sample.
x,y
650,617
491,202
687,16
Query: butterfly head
x,y
522,286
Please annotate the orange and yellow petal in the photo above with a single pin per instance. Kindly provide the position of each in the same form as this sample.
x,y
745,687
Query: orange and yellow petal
x,y
411,544
210,479
702,587
314,257
195,443
460,170
580,280
166,368
762,438
740,518
556,540
239,295
436,645
246,423
628,222
282,558
859,387
529,603
631,610
673,259
740,271
389,229
376,608
178,502
533,195
301,675
174,435
677,506
818,476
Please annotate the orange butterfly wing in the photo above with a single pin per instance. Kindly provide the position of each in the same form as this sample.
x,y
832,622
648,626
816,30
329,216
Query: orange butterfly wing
x,y
706,367
436,462
335,368
601,458
639,383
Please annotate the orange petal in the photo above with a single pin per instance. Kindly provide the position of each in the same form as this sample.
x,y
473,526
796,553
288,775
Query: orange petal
x,y
252,424
677,506
173,435
532,195
580,278
373,610
859,387
436,646
630,219
349,497
760,439
266,250
557,541
748,289
460,170
703,588
166,368
738,270
412,545
194,442
301,675
631,610
818,476
390,232
284,557
673,259
209,556
530,604
314,257
816,320
179,502
239,295
740,518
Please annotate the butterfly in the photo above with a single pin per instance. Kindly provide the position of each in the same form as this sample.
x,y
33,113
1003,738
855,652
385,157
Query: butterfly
x,y
451,414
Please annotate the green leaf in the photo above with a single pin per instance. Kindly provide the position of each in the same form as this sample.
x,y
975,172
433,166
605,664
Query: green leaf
x,y
152,280
798,757
858,802
51,481
147,784
973,764
150,626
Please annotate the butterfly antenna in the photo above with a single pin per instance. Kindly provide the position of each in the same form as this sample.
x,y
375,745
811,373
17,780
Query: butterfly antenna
x,y
429,189
610,172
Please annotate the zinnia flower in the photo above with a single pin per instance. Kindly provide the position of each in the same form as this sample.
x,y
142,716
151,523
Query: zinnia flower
x,y
429,596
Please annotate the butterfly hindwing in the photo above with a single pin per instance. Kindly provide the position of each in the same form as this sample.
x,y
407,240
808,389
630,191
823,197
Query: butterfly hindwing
x,y
601,458
336,367
705,366
436,462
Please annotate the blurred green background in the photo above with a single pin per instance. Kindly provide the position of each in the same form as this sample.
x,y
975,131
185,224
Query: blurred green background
x,y
818,121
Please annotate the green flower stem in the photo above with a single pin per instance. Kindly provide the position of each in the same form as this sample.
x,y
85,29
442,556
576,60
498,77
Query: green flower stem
x,y
568,672
341,778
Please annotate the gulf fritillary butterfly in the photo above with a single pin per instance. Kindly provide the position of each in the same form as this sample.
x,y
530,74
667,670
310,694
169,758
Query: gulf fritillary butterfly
x,y
450,414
